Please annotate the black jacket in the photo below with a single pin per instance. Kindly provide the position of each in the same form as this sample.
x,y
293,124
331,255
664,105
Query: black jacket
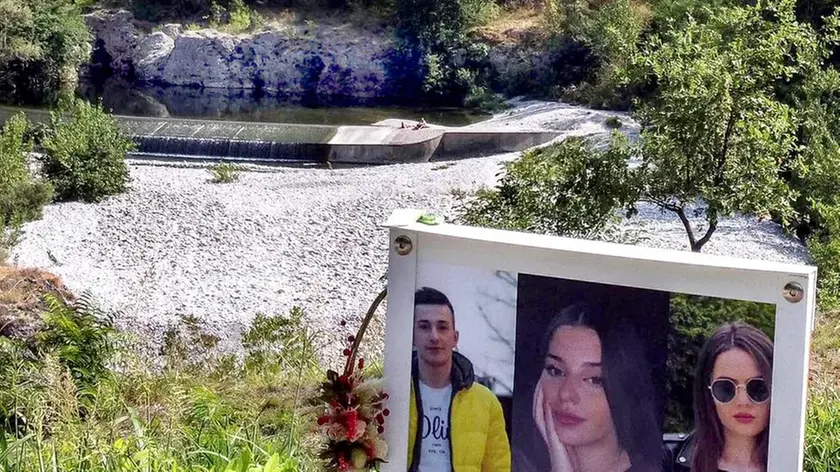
x,y
679,449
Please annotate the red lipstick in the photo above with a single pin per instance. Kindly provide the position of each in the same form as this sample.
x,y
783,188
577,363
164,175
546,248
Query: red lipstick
x,y
744,418
568,419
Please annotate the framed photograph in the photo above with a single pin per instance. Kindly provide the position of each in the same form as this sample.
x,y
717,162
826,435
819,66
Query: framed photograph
x,y
517,351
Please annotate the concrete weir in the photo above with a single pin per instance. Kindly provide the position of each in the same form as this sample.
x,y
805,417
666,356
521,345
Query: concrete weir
x,y
386,142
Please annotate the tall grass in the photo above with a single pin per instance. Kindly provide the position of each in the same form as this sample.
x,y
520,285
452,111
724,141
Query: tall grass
x,y
59,412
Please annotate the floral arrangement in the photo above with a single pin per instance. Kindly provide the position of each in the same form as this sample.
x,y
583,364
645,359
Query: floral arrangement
x,y
351,411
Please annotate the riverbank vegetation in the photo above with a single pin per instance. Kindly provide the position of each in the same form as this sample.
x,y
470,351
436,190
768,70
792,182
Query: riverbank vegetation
x,y
75,394
738,109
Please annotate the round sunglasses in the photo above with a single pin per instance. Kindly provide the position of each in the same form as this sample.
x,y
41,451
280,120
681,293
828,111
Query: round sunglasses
x,y
724,390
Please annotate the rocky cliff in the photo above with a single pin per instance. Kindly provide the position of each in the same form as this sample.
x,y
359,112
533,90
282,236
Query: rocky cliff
x,y
324,61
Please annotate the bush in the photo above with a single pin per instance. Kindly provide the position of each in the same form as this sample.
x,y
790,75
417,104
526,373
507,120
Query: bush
x,y
568,189
217,415
605,36
435,59
224,172
21,197
43,44
81,336
824,246
84,153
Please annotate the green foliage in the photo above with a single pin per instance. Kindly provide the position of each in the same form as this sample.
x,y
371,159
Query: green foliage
x,y
824,246
713,129
216,417
569,189
22,198
224,172
435,57
81,337
281,343
42,44
233,16
613,123
609,33
479,12
84,153
693,319
822,430
13,152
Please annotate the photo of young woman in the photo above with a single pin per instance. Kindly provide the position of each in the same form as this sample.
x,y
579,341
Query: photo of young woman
x,y
731,403
595,406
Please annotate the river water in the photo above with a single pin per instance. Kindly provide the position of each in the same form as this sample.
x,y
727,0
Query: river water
x,y
123,98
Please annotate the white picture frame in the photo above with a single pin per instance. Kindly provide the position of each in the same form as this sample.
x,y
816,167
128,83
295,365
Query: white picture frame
x,y
790,287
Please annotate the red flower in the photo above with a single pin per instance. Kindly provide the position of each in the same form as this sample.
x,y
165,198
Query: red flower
x,y
351,421
323,420
347,352
386,412
361,363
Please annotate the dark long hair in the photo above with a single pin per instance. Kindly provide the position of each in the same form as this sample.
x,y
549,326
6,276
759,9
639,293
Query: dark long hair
x,y
628,381
708,429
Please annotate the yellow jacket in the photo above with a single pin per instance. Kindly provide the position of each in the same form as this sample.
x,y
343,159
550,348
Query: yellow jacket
x,y
478,439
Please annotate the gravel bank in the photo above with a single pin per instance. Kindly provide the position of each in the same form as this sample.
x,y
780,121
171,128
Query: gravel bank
x,y
177,244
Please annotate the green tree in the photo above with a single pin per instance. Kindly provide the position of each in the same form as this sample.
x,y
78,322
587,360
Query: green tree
x,y
716,136
435,57
42,45
84,153
569,189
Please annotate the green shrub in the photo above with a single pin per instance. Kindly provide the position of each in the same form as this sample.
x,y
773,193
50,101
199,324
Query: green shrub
x,y
42,45
603,35
435,59
13,152
81,336
822,430
613,123
22,198
479,12
224,172
84,153
216,415
568,189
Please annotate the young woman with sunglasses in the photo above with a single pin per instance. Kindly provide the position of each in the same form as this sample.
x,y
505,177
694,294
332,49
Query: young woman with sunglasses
x,y
731,403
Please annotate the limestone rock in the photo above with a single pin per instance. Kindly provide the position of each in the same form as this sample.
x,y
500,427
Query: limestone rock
x,y
316,60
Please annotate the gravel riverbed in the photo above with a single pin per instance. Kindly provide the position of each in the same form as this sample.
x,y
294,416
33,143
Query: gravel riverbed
x,y
177,244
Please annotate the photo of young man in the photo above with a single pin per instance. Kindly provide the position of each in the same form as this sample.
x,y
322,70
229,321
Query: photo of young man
x,y
455,422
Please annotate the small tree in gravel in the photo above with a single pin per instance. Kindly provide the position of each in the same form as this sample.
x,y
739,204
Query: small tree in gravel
x,y
84,153
716,135
567,189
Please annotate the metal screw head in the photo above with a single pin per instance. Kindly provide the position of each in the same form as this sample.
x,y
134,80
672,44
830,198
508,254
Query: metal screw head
x,y
793,292
403,245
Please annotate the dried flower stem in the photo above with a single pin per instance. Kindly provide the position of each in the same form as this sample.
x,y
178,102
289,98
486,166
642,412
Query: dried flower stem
x,y
351,360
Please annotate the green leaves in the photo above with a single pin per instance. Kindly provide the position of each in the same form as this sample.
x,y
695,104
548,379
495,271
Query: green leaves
x,y
85,153
715,128
568,189
42,43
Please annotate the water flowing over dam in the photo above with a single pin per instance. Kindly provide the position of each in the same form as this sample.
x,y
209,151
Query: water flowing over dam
x,y
385,142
